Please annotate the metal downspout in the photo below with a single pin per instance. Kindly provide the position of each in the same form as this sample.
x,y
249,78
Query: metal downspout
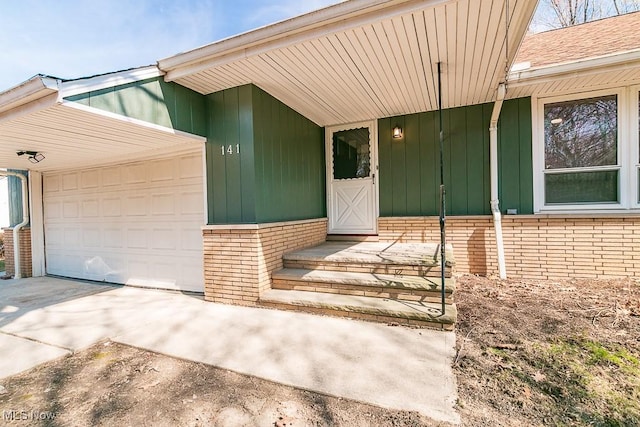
x,y
18,227
495,203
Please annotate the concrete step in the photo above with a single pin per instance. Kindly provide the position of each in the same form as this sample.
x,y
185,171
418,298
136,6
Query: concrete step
x,y
409,313
352,238
408,288
413,259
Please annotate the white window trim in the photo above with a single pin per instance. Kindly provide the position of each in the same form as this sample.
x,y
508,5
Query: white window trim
x,y
628,153
634,149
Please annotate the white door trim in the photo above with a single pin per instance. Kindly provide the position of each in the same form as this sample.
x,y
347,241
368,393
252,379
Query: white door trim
x,y
37,224
373,144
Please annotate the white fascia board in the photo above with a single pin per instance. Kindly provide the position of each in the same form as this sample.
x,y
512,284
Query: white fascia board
x,y
613,62
78,86
107,114
33,89
341,16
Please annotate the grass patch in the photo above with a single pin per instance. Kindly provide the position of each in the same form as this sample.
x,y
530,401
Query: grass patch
x,y
2,268
617,357
594,383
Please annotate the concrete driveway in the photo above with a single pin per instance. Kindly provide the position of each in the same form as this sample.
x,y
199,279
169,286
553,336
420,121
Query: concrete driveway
x,y
44,318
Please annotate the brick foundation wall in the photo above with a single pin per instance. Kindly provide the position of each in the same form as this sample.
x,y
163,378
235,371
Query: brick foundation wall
x,y
25,252
536,246
239,259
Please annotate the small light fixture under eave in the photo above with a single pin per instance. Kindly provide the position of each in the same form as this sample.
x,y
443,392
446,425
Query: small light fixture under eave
x,y
34,156
556,121
397,132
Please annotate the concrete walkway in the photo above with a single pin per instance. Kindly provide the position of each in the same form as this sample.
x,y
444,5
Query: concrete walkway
x,y
42,319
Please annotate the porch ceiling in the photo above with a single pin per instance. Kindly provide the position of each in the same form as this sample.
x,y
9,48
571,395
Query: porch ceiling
x,y
72,135
365,59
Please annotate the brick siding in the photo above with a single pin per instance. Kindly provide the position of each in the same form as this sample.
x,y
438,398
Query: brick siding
x,y
25,252
239,259
536,246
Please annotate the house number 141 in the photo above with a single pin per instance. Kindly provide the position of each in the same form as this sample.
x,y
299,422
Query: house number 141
x,y
229,149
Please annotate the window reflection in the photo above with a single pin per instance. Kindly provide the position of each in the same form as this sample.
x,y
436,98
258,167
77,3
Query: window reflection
x,y
351,154
581,133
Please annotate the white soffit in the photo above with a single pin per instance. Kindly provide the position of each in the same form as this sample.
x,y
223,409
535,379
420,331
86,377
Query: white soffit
x,y
620,69
367,59
71,135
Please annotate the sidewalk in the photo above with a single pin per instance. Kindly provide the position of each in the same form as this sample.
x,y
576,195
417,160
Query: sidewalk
x,y
394,367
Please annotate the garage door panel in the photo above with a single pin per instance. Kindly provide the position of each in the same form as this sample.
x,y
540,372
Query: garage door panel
x,y
136,173
137,238
70,181
91,237
112,238
164,239
51,185
90,208
189,167
163,204
190,240
89,180
72,237
110,177
70,209
163,170
131,224
53,211
136,205
111,207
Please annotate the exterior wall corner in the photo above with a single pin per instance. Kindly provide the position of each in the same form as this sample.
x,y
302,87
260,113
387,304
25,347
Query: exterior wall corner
x,y
238,261
25,252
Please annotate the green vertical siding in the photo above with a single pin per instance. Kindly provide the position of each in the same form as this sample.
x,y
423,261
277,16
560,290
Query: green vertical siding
x,y
290,165
409,167
154,101
514,148
230,176
278,174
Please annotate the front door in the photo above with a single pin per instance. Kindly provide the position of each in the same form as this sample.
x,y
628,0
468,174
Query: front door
x,y
352,165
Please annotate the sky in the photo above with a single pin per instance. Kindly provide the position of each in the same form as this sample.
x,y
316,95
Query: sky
x,y
79,38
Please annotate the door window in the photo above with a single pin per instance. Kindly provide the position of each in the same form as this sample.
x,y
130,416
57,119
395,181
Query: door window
x,y
351,154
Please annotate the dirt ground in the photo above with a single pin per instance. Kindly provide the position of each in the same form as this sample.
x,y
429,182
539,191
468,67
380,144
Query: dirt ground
x,y
529,353
534,353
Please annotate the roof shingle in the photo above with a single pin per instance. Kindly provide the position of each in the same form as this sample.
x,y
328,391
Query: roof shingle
x,y
589,40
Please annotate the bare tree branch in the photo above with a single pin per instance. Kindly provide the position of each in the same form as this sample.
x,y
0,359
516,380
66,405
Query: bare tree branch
x,y
565,13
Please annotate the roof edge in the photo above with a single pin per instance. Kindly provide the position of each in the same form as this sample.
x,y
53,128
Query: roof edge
x,y
318,21
627,59
35,88
103,81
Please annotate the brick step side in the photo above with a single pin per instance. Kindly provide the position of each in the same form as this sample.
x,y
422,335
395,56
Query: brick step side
x,y
364,308
407,288
369,267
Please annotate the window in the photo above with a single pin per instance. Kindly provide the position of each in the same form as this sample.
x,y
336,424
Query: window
x,y
582,151
351,157
637,147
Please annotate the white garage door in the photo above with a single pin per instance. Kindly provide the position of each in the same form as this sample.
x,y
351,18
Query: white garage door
x,y
137,223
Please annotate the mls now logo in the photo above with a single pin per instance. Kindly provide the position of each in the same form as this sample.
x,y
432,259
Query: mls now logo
x,y
26,415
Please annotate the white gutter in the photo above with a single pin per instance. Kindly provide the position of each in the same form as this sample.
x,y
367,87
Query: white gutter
x,y
618,61
338,17
493,153
33,89
89,84
17,228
